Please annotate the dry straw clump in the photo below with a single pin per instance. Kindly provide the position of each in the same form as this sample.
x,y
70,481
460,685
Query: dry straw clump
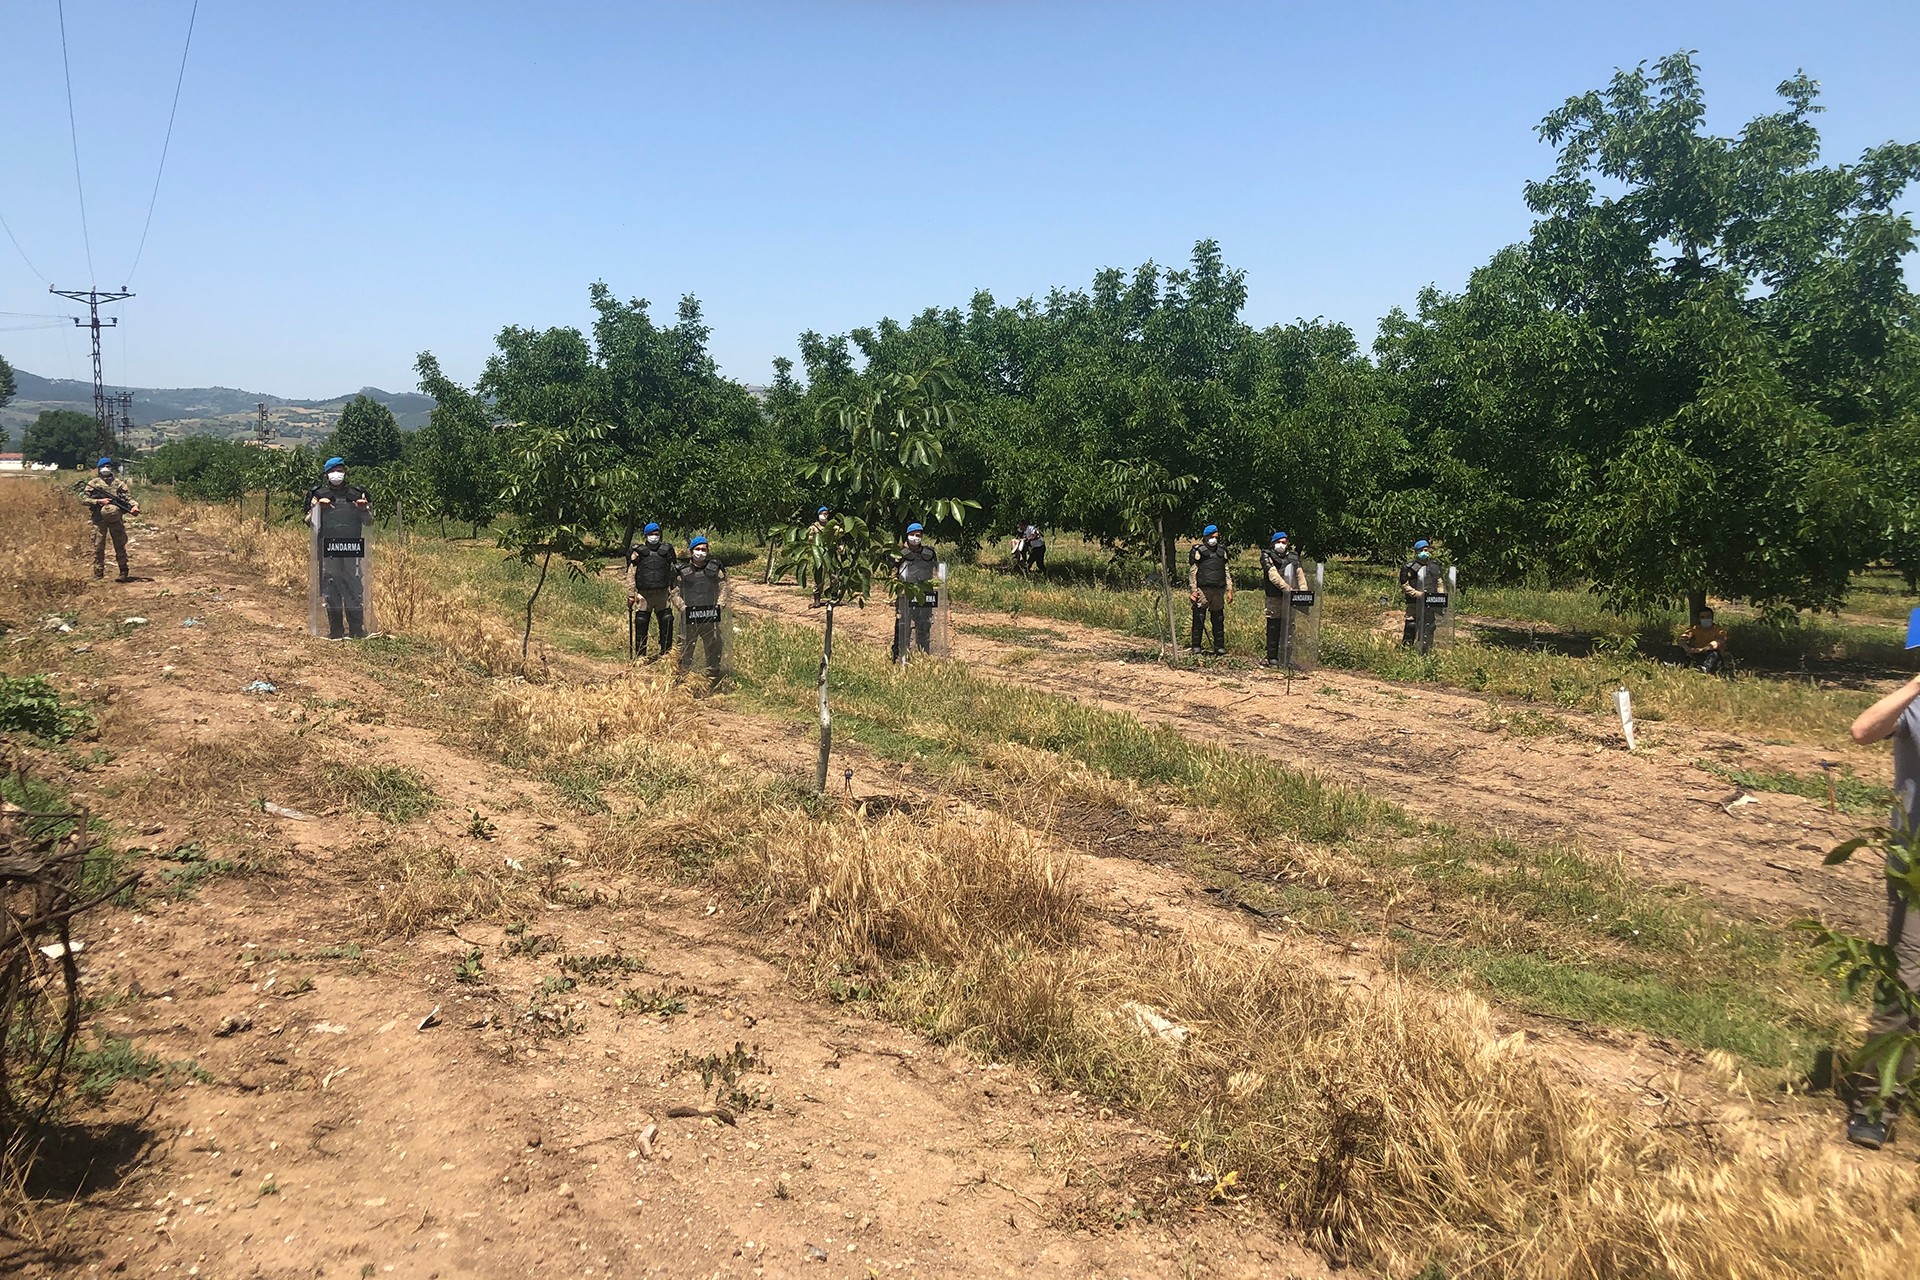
x,y
45,542
875,894
1398,1129
617,719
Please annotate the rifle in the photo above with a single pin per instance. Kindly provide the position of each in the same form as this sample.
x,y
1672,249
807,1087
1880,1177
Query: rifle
x,y
125,504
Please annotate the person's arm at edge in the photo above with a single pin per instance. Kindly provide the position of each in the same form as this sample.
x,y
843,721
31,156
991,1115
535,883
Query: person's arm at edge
x,y
1881,719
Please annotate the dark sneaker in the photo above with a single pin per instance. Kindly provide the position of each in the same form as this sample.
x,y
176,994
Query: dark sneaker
x,y
1865,1131
1193,648
1219,653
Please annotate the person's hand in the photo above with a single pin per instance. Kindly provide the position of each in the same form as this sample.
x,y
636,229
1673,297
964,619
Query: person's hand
x,y
134,510
361,503
1197,598
326,502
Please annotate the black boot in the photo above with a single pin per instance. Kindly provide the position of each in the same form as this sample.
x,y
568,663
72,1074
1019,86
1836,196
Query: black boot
x,y
1219,618
356,624
1199,623
666,631
1274,627
336,623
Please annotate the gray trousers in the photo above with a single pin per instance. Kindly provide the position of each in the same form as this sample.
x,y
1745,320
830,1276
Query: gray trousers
x,y
1903,936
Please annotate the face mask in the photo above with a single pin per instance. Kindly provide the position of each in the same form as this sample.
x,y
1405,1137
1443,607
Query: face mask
x,y
1279,548
106,473
913,539
336,477
1213,542
653,539
1422,556
699,555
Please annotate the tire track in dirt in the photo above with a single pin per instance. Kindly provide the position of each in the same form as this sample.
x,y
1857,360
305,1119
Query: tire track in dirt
x,y
1438,753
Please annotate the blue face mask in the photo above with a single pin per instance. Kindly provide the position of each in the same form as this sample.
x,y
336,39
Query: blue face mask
x,y
1423,556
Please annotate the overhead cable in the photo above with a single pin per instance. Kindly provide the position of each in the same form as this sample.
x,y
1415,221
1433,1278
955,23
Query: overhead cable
x,y
73,132
175,110
22,252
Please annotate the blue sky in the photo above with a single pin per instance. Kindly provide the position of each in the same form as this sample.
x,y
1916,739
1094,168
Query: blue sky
x,y
351,183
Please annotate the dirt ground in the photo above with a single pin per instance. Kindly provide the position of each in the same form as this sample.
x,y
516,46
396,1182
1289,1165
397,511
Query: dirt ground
x,y
1444,754
332,1130
325,1132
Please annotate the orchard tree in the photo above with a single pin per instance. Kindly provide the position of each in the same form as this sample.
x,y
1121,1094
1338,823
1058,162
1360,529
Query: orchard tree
x,y
880,468
1680,384
7,385
367,435
458,450
64,437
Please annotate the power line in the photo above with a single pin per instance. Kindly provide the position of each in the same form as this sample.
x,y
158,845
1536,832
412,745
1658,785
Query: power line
x,y
73,132
180,80
22,252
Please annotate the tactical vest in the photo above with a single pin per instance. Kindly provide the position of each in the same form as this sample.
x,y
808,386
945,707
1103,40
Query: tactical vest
x,y
700,585
1288,565
652,567
918,564
1212,566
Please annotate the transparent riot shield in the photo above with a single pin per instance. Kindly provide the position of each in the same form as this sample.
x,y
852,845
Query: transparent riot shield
x,y
339,592
1435,617
704,643
921,624
1300,642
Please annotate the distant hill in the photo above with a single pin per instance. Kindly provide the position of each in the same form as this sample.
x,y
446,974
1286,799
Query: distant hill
x,y
169,413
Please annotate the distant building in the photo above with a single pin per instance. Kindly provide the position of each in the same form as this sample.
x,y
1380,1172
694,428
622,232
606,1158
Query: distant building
x,y
15,462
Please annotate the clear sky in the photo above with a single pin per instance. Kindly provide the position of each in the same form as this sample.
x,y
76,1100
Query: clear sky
x,y
353,182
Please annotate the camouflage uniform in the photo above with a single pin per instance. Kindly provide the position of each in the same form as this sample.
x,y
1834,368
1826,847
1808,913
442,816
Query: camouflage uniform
x,y
109,521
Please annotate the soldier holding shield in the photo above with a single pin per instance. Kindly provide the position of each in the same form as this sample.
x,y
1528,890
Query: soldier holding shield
x,y
338,513
701,584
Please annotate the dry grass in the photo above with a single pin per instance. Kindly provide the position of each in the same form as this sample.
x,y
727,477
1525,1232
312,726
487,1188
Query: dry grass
x,y
406,600
411,885
46,544
564,721
878,893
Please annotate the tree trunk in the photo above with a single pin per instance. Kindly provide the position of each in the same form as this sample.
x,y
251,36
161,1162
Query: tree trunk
x,y
826,717
526,636
1696,604
266,506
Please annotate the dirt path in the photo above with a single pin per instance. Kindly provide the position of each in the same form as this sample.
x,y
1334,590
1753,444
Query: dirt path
x,y
321,1131
1445,754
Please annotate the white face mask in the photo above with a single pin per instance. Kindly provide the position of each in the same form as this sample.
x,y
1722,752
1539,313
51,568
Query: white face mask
x,y
1279,548
653,539
336,477
1213,542
699,554
106,473
913,539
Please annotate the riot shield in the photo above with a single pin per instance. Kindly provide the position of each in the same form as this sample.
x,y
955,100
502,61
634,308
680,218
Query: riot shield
x,y
339,592
921,624
704,645
1435,618
1300,642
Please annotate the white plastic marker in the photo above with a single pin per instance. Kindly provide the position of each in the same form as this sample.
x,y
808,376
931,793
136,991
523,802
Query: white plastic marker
x,y
1624,701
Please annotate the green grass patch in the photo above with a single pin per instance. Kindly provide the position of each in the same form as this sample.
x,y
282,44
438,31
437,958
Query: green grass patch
x,y
32,706
393,793
1850,794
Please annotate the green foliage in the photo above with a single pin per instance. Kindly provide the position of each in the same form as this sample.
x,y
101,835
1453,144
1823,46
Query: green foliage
x,y
457,453
880,469
1892,1058
31,705
64,437
7,388
367,435
1683,382
205,469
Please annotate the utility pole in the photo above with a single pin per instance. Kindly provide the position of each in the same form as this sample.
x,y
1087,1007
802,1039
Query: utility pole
x,y
263,433
121,414
93,298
